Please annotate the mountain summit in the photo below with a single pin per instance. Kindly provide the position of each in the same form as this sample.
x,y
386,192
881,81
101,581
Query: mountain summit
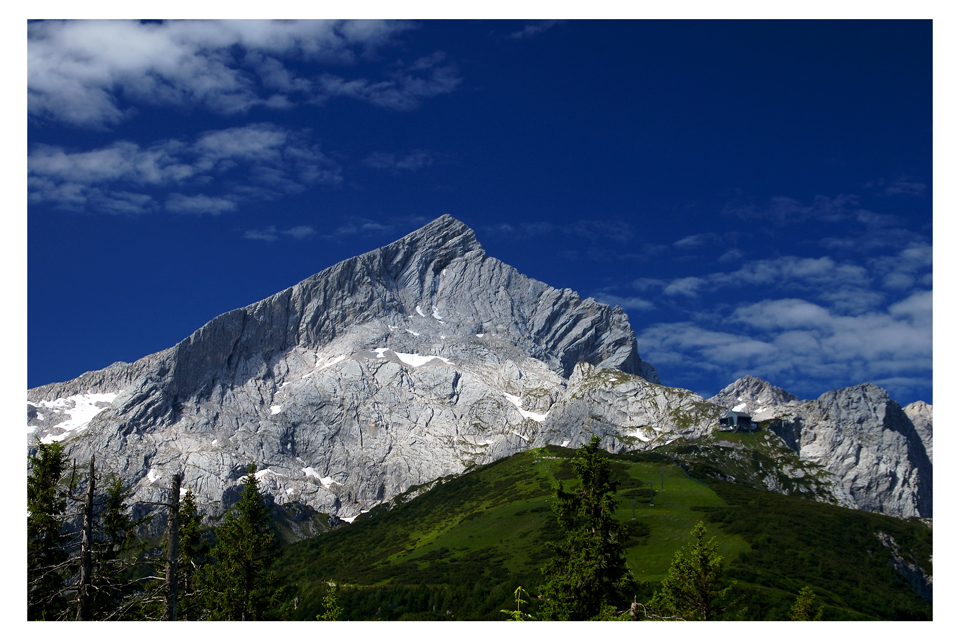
x,y
382,372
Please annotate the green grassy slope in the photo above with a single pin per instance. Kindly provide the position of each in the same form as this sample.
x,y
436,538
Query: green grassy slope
x,y
457,550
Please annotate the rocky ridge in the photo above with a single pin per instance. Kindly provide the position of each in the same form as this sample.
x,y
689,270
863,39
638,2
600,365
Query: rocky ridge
x,y
417,361
385,371
861,437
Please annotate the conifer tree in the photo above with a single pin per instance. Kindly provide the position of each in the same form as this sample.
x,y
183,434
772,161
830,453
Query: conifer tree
x,y
805,608
589,573
695,588
193,556
46,555
239,584
115,554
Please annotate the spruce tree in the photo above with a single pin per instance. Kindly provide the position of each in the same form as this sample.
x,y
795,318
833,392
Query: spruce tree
x,y
695,587
46,514
194,549
239,584
588,575
115,552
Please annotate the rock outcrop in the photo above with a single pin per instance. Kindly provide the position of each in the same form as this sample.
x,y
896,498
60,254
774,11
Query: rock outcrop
x,y
859,435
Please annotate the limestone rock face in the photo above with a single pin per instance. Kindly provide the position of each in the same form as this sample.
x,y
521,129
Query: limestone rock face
x,y
384,371
871,446
921,415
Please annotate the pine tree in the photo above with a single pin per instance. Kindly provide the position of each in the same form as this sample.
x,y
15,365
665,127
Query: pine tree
x,y
589,573
239,585
695,588
46,555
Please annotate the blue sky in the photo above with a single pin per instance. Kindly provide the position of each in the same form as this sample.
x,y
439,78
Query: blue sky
x,y
757,195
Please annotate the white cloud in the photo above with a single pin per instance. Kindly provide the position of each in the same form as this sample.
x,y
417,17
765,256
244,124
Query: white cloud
x,y
802,344
198,204
269,234
300,232
254,161
93,72
684,286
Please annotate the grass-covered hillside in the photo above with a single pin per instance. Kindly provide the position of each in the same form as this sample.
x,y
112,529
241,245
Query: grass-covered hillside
x,y
459,549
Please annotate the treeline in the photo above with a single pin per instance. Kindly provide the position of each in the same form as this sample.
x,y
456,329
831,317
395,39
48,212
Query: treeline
x,y
86,560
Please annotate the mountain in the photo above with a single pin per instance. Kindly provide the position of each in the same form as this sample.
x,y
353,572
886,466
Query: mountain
x,y
423,359
387,370
877,454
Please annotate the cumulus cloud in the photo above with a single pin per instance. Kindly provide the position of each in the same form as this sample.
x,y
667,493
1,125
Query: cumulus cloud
x,y
257,160
93,73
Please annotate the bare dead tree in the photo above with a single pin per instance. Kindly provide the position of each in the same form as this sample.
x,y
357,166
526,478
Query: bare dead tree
x,y
172,568
84,586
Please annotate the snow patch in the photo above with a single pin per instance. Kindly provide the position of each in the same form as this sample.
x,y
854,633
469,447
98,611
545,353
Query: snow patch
x,y
275,409
740,407
539,417
84,408
153,476
259,475
564,443
412,332
479,335
332,362
416,360
214,443
420,312
352,518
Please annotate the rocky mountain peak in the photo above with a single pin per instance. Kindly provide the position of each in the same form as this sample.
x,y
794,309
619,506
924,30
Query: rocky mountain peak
x,y
756,397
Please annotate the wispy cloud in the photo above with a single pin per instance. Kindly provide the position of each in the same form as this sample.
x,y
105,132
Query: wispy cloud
x,y
95,73
787,273
254,161
781,210
632,302
794,341
902,186
404,89
199,204
531,30
413,161
270,234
